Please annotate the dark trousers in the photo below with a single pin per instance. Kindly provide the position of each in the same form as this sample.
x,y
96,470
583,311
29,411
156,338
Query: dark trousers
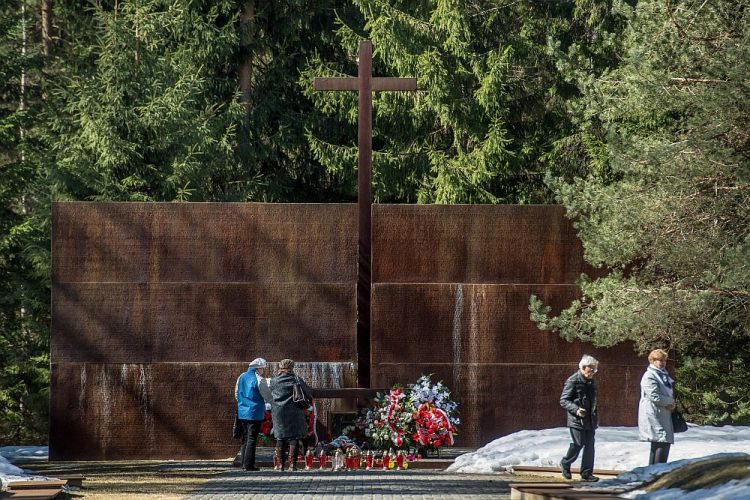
x,y
659,453
582,439
250,429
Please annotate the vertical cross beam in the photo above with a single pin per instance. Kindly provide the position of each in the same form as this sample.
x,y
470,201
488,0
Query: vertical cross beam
x,y
364,206
365,84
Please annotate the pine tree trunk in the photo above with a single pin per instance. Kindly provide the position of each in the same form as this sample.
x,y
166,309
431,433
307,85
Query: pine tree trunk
x,y
137,56
247,31
46,27
22,105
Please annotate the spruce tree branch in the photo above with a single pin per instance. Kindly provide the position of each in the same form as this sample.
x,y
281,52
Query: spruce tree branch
x,y
346,149
499,7
402,14
696,14
353,150
361,36
399,155
712,291
698,80
697,38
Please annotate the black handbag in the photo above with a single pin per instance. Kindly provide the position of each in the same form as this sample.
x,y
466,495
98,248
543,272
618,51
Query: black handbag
x,y
298,395
678,422
237,431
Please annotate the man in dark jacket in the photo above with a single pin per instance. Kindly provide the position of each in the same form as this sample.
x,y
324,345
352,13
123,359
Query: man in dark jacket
x,y
579,400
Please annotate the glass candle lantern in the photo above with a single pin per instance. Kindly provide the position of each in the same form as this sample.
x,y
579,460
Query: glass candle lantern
x,y
338,460
400,460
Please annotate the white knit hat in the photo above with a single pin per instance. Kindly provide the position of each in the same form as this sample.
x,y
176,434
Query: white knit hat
x,y
258,363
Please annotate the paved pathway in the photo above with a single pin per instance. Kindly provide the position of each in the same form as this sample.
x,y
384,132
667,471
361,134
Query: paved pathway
x,y
269,484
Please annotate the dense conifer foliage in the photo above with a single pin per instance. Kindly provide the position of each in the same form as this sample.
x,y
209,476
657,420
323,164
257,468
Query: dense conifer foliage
x,y
631,114
668,211
490,117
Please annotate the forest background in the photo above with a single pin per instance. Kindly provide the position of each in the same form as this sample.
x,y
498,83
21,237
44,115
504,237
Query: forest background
x,y
633,114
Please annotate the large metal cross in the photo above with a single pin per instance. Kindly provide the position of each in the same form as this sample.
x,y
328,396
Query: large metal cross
x,y
366,85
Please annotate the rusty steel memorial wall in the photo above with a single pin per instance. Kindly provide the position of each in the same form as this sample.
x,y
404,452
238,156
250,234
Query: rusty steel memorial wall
x,y
158,307
450,296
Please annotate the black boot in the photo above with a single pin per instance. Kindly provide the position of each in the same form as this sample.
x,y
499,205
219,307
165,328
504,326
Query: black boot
x,y
282,456
293,451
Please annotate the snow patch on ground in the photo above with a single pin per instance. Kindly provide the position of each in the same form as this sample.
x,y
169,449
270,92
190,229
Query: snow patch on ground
x,y
732,490
9,472
641,475
21,453
617,448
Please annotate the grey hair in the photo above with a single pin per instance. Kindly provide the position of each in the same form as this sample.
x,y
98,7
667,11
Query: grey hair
x,y
286,364
587,360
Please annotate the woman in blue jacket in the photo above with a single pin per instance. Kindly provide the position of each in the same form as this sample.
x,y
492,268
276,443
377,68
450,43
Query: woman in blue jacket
x,y
250,408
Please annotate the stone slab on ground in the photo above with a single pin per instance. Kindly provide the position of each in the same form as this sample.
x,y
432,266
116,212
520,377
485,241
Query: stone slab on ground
x,y
558,491
269,484
74,480
36,485
47,494
526,470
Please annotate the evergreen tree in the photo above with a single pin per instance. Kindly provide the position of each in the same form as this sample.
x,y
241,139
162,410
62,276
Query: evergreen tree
x,y
490,117
283,36
190,101
137,100
668,211
24,250
143,113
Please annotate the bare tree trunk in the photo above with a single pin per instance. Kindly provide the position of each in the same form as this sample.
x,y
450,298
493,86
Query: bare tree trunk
x,y
247,32
137,60
46,27
22,105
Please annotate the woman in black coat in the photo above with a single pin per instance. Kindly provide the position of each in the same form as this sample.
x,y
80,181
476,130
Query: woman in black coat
x,y
289,425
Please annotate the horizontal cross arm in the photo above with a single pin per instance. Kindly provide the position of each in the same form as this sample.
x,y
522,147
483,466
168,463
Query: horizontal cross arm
x,y
334,83
383,84
377,85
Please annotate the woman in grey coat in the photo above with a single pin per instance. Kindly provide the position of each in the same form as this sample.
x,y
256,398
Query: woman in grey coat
x,y
289,425
655,407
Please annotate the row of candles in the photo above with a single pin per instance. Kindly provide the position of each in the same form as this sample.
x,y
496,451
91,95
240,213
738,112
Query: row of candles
x,y
352,460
